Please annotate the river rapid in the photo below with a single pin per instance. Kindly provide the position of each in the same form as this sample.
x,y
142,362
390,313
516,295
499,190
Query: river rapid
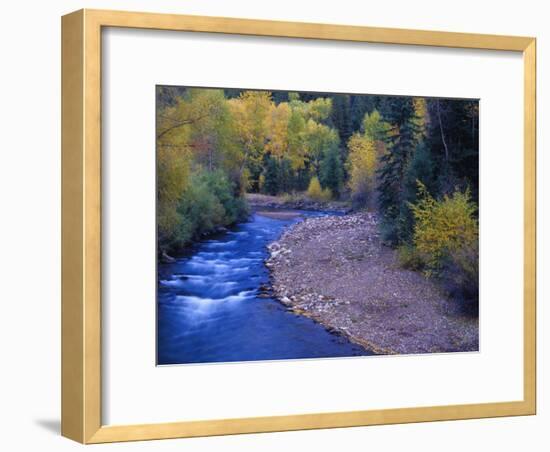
x,y
211,306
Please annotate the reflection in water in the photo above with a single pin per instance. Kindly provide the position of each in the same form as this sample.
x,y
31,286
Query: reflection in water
x,y
210,309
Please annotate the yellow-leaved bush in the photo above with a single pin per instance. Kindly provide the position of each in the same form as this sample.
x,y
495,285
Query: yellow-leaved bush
x,y
444,229
316,193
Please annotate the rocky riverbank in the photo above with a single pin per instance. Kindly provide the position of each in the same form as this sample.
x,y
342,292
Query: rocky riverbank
x,y
335,270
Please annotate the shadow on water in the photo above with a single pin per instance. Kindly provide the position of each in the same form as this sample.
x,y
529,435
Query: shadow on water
x,y
211,308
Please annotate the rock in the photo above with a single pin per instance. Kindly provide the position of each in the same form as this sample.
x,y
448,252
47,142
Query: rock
x,y
166,259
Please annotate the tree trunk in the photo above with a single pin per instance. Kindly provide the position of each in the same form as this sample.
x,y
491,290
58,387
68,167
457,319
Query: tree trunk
x,y
441,130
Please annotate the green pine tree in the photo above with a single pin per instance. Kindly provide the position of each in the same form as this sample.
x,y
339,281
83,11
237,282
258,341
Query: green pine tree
x,y
401,141
331,171
271,175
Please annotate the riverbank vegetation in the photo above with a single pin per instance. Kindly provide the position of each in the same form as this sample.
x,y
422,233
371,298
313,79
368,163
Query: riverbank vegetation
x,y
412,161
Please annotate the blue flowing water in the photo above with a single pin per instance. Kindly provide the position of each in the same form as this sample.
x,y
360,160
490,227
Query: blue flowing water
x,y
209,308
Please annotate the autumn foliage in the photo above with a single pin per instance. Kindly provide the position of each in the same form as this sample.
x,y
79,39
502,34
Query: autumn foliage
x,y
446,239
250,143
316,193
443,227
413,161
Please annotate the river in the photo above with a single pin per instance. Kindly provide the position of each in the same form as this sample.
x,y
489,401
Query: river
x,y
210,307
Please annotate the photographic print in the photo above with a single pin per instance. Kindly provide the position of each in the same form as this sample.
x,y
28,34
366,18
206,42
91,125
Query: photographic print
x,y
295,225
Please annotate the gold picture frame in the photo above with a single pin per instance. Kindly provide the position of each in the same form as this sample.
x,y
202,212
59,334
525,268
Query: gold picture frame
x,y
81,220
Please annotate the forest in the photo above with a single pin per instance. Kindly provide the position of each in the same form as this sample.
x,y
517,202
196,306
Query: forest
x,y
412,160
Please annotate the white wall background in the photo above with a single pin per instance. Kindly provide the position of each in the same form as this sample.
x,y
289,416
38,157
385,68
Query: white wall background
x,y
30,226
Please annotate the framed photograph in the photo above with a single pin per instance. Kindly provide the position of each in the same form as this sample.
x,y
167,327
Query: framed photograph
x,y
274,226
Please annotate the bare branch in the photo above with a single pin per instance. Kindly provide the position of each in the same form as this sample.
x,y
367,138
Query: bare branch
x,y
180,123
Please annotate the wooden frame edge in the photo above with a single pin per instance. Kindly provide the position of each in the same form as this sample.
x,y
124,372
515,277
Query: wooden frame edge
x,y
306,30
72,234
530,227
81,217
80,237
145,432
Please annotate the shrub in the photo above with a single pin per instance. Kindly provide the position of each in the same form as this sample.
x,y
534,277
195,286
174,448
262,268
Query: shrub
x,y
409,258
292,197
314,189
219,185
326,195
200,209
316,193
207,203
460,273
442,228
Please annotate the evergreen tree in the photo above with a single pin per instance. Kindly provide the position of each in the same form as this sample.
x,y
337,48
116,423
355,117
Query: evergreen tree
x,y
453,138
271,176
285,176
340,117
331,171
167,96
420,169
401,142
280,96
359,105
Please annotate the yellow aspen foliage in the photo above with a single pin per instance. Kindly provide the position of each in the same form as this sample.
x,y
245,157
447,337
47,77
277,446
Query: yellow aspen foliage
x,y
362,163
442,228
173,167
295,140
277,125
315,191
250,111
318,109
